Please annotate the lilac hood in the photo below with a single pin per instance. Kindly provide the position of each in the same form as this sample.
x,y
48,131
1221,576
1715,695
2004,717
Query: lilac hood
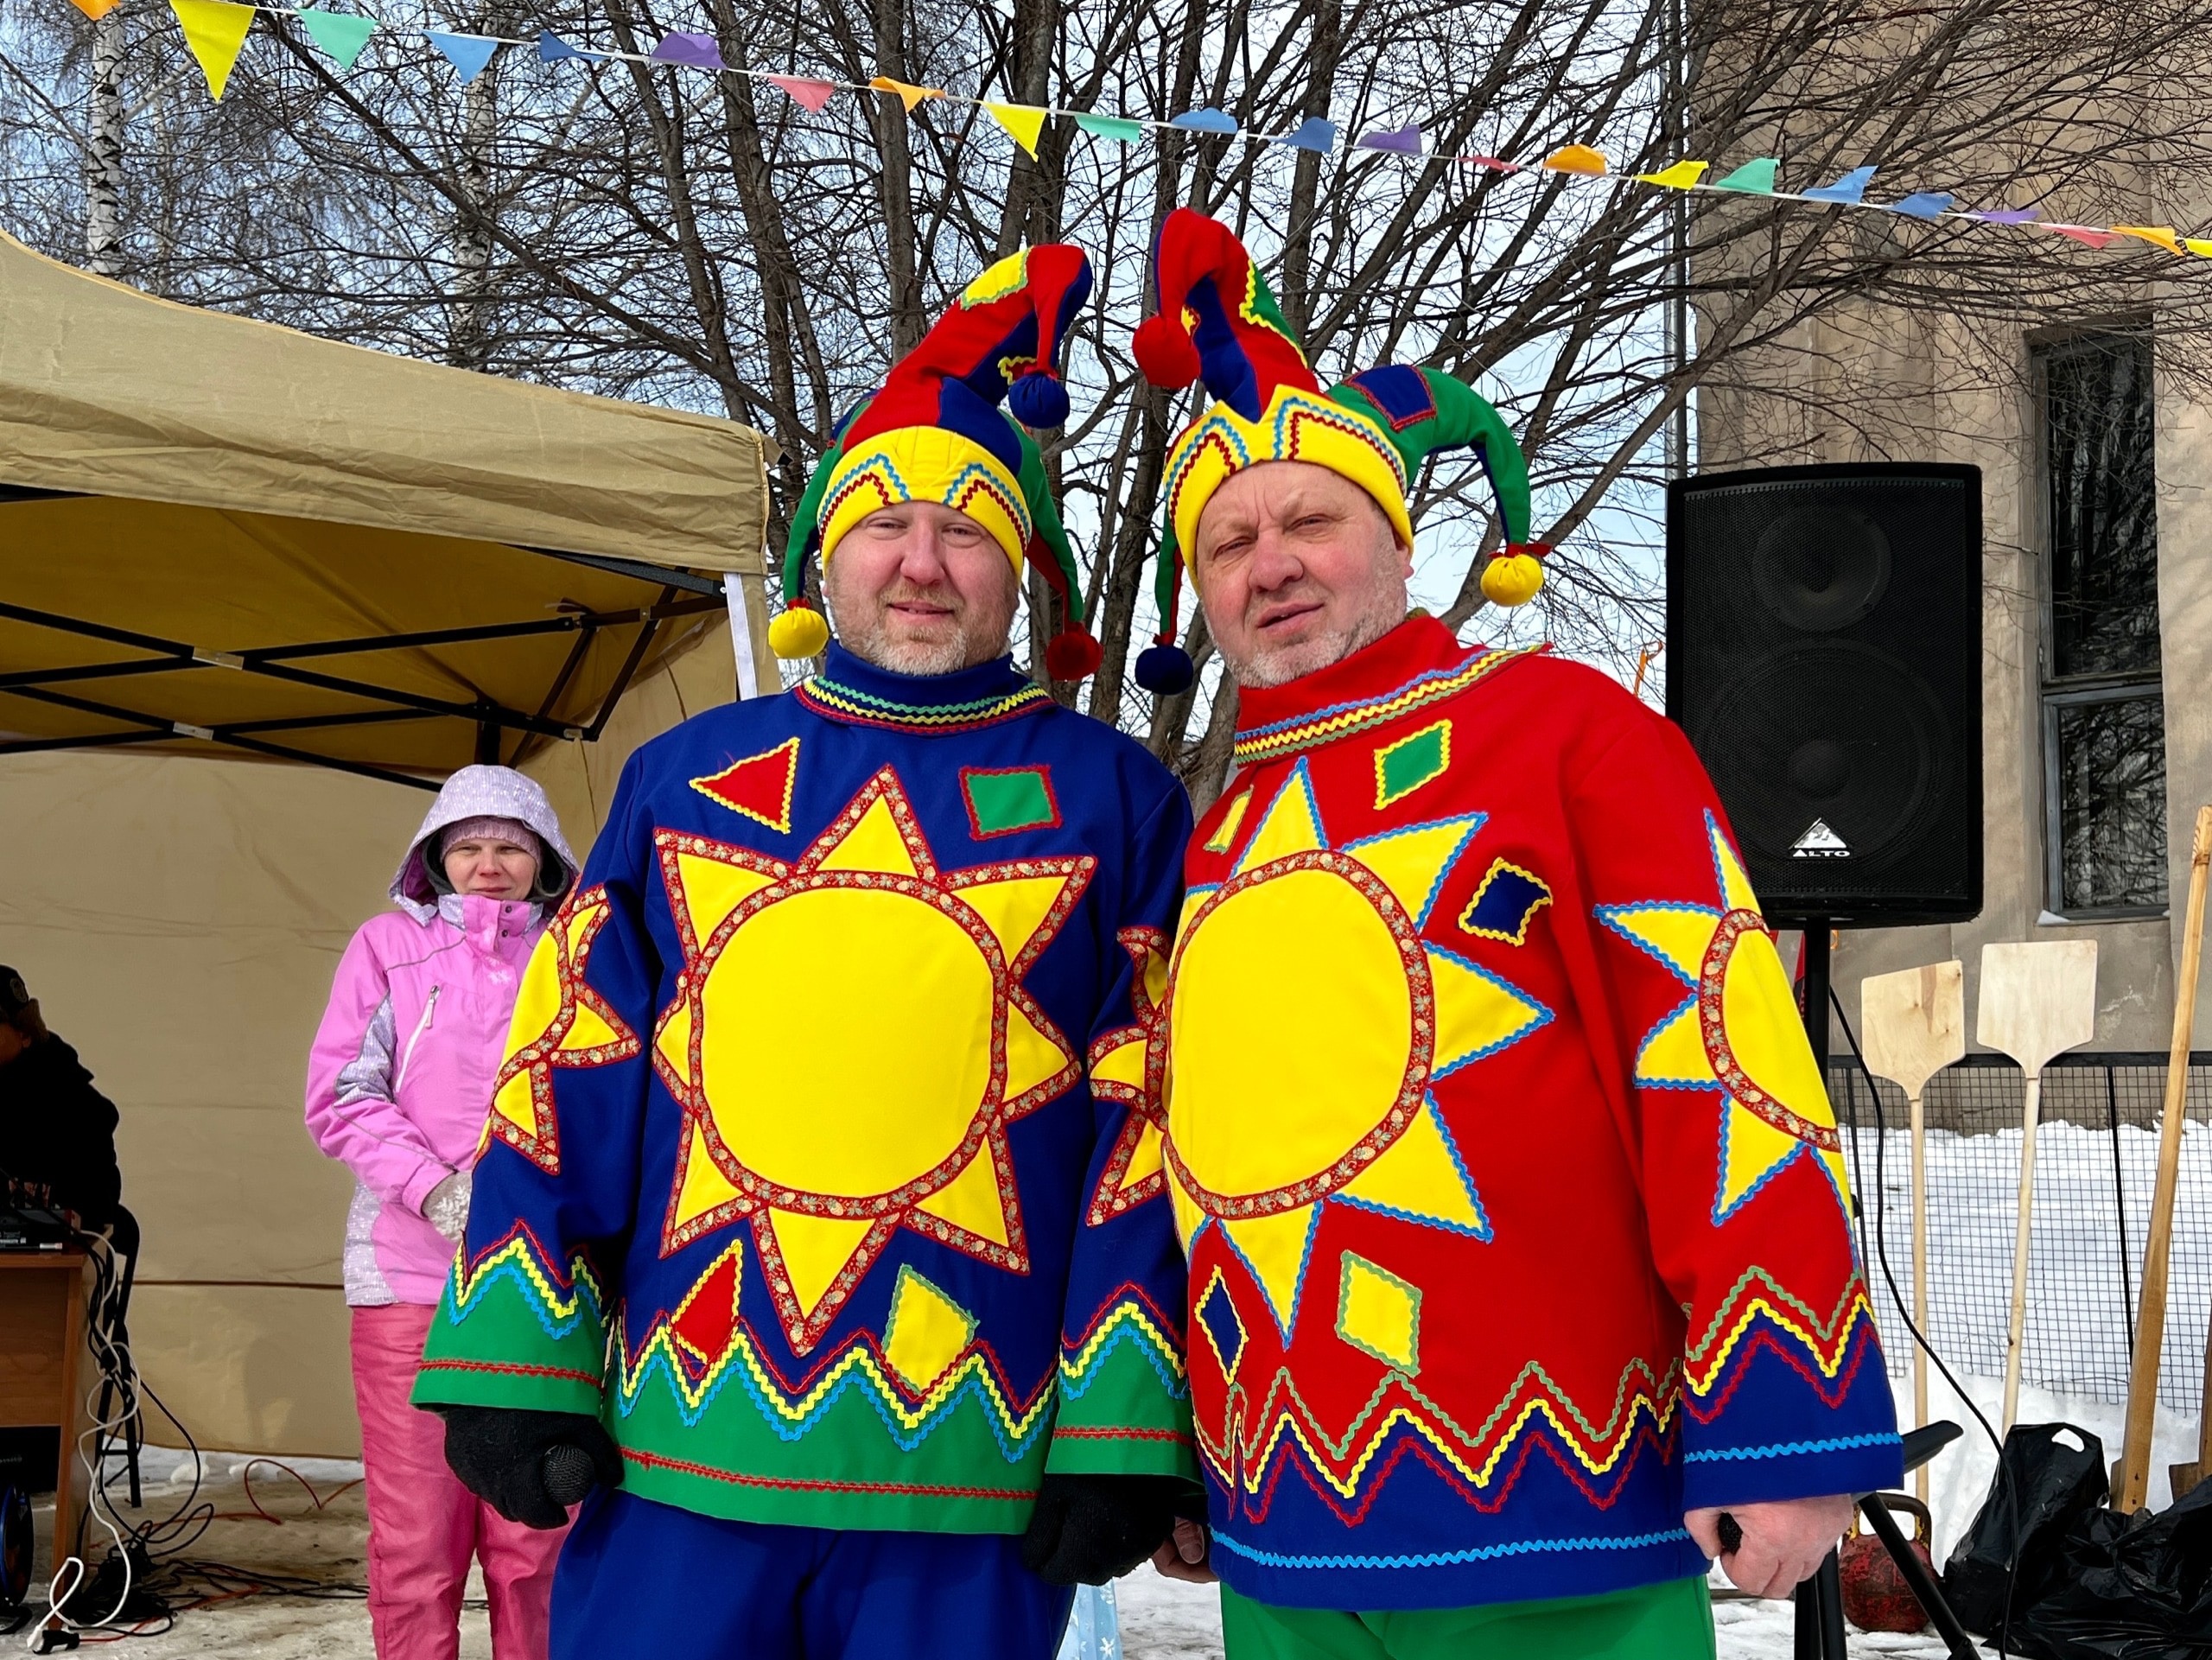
x,y
485,792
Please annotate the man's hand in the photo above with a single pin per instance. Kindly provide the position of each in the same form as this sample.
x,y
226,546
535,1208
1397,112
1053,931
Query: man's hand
x,y
1183,1556
1783,1543
499,1454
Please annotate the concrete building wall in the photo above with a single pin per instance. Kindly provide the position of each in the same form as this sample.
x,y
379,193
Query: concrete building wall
x,y
1865,387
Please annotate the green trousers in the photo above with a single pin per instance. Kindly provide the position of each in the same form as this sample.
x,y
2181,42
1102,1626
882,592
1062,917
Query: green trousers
x,y
1670,1621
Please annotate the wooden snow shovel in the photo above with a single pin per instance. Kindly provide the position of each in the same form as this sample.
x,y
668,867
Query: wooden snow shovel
x,y
1913,1024
2036,1000
2132,1477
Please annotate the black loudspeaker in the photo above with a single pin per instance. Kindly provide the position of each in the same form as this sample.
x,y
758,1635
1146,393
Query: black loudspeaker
x,y
1824,655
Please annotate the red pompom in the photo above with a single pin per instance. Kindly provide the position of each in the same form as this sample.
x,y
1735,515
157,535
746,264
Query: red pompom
x,y
1071,654
1165,352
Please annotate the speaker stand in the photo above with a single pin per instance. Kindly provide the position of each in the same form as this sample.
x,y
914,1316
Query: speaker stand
x,y
1820,1599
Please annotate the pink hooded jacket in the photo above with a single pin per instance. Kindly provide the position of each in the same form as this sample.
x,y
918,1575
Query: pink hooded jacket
x,y
400,1077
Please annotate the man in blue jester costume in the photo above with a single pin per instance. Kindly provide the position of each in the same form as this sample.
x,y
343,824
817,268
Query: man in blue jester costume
x,y
1516,1214
821,1212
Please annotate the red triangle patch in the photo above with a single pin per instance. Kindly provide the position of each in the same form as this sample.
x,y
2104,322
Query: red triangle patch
x,y
760,786
707,1320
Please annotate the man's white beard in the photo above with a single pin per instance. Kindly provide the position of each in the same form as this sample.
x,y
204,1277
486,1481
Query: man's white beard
x,y
1279,665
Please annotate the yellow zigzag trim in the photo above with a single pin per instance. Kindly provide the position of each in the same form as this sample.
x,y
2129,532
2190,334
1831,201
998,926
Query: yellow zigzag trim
x,y
1128,1315
1835,1332
858,1358
1266,744
1620,1432
468,1285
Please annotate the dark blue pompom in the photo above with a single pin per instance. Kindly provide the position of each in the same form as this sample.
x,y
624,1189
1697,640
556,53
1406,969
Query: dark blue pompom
x,y
1037,400
1164,670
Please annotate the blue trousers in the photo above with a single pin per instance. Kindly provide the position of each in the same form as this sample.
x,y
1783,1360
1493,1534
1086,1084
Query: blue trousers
x,y
638,1578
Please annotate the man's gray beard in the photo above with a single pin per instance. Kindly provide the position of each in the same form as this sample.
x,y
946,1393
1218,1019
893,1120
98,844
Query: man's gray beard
x,y
1308,657
870,642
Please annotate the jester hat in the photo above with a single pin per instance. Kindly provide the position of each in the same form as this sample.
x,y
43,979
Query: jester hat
x,y
1218,321
935,432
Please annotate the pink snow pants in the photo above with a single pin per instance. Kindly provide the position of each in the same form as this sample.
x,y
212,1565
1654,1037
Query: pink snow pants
x,y
423,1525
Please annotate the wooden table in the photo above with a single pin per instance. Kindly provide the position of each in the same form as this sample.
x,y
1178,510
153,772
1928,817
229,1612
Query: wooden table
x,y
42,1364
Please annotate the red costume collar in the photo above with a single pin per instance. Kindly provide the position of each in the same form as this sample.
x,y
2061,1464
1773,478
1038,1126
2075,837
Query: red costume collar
x,y
1415,665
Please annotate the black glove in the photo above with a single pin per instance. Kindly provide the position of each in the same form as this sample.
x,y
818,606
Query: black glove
x,y
1088,1529
499,1454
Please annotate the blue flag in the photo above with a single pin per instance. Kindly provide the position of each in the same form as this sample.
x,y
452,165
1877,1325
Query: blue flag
x,y
468,53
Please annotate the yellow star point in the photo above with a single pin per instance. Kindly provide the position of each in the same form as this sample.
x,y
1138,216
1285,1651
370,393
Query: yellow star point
x,y
1273,1248
1421,1178
814,1249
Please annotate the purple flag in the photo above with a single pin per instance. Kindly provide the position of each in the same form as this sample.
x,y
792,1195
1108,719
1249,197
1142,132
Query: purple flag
x,y
2005,215
700,51
1404,141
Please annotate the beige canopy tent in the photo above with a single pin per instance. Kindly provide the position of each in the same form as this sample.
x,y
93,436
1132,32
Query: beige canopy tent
x,y
223,537
224,542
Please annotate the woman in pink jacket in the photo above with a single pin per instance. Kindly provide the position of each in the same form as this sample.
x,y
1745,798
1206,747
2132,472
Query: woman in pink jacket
x,y
398,1085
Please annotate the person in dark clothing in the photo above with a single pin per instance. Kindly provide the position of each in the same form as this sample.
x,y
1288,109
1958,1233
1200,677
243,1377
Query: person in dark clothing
x,y
57,1132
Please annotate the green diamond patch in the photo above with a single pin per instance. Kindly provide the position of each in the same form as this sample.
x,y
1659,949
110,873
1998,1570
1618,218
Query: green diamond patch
x,y
1002,800
1402,767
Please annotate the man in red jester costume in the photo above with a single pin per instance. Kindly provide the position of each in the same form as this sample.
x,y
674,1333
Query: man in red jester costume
x,y
1515,1209
821,1211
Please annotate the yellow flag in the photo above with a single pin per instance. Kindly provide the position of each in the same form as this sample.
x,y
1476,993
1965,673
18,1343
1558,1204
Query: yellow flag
x,y
2199,246
215,31
1576,158
2158,236
909,94
1680,176
1023,123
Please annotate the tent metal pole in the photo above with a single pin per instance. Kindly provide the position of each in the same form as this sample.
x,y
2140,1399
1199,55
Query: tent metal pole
x,y
637,649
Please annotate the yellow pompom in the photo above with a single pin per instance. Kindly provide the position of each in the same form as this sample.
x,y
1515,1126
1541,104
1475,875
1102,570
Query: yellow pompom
x,y
797,631
1512,580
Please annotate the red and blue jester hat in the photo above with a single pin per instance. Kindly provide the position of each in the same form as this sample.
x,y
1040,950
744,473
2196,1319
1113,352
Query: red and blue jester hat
x,y
1218,321
935,432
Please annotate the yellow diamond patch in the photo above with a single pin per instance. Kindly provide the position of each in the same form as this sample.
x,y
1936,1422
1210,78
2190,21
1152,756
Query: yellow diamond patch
x,y
927,1332
1379,1314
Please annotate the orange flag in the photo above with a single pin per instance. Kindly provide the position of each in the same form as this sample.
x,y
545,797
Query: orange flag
x,y
909,95
1576,158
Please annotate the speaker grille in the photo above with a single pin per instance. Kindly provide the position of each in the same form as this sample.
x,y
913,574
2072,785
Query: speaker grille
x,y
1824,641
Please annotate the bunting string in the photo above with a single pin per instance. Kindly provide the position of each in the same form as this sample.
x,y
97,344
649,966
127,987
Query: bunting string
x,y
215,33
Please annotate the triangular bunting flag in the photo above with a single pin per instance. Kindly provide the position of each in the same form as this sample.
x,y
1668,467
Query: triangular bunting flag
x,y
2081,233
1576,158
1316,132
1850,187
1402,140
468,53
2005,215
97,9
1111,126
341,35
1496,164
1204,121
1680,176
1925,204
2199,246
1024,122
2158,236
810,95
1754,178
909,94
700,51
551,48
215,30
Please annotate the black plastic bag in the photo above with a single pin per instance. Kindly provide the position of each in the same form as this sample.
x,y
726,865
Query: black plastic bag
x,y
2127,1587
2055,1483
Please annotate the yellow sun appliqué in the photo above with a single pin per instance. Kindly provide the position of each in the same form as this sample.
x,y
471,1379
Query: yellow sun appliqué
x,y
1738,1033
848,1040
558,1022
1307,1019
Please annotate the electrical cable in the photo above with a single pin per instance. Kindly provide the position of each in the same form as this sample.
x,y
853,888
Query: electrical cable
x,y
1904,1315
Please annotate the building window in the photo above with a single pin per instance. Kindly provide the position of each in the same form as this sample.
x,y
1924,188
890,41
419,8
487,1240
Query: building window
x,y
2104,729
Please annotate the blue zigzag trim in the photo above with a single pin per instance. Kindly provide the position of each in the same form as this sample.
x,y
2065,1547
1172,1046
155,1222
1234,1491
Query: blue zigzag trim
x,y
1787,1449
509,1270
1446,1558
